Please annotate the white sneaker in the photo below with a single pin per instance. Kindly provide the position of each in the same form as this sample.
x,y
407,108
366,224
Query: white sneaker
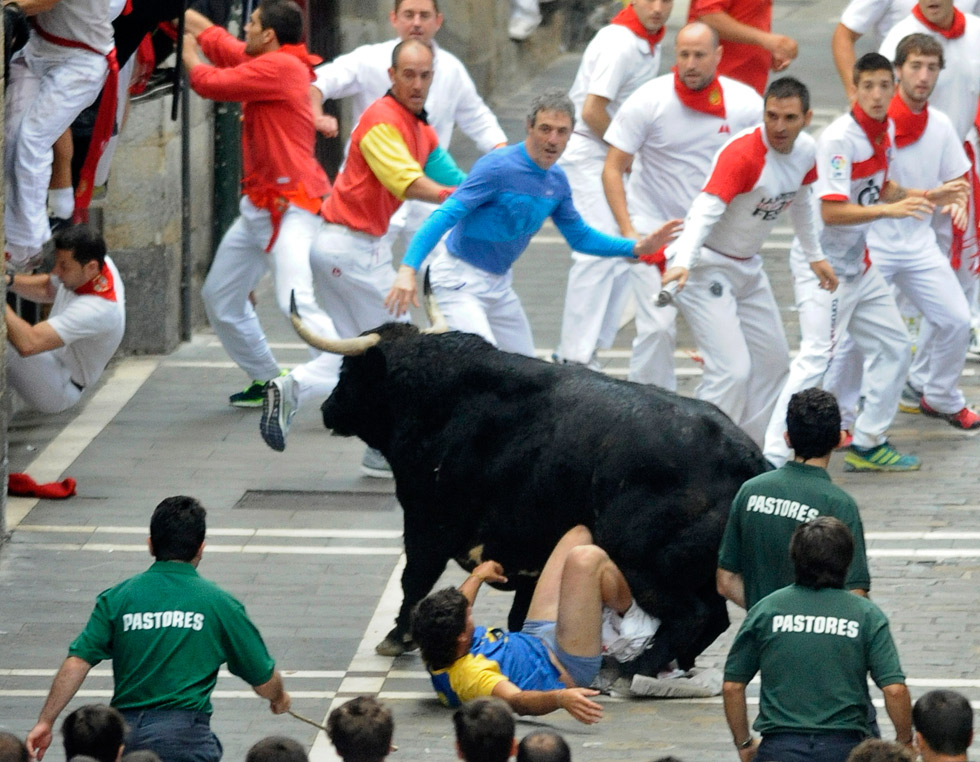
x,y
625,638
278,408
375,464
521,27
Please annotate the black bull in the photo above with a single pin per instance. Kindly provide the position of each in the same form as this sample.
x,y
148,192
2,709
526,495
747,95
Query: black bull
x,y
496,455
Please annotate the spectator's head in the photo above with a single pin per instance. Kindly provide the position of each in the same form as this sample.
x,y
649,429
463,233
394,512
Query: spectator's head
x,y
79,254
411,73
12,749
485,730
821,551
543,746
813,423
361,730
667,759
416,19
141,755
550,122
177,530
276,749
874,78
440,625
876,750
943,722
918,61
697,55
273,24
652,14
96,731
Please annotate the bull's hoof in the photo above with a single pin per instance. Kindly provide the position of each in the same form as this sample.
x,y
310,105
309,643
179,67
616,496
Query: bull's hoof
x,y
393,645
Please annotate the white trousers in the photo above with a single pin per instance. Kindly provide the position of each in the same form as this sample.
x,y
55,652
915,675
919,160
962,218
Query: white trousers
x,y
598,287
729,305
941,347
865,308
49,86
652,361
42,380
241,260
481,302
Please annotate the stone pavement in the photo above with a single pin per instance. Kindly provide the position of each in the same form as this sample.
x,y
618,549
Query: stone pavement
x,y
313,549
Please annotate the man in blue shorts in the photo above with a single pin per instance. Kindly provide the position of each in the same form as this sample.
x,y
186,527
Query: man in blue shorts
x,y
550,663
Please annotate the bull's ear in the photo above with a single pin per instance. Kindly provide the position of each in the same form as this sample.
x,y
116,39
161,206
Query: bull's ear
x,y
375,363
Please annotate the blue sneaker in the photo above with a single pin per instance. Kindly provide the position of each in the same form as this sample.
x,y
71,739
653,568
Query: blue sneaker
x,y
279,405
884,457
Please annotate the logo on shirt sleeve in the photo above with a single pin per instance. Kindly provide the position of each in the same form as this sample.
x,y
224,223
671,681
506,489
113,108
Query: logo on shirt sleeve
x,y
838,167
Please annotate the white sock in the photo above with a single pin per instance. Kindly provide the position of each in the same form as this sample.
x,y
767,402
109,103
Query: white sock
x,y
62,202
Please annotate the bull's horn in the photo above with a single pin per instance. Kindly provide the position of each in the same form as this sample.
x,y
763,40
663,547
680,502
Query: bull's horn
x,y
436,318
356,346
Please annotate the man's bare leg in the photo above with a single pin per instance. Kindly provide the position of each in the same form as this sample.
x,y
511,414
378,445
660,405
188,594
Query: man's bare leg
x,y
544,602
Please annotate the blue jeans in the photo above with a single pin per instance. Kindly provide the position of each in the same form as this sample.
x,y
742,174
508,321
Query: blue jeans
x,y
175,735
808,747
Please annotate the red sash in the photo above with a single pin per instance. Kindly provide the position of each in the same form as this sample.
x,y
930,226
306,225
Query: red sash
x,y
956,249
628,18
707,100
877,134
956,29
276,201
102,285
104,120
908,126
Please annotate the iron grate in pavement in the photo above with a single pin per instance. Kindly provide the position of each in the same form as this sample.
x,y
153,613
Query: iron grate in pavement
x,y
308,500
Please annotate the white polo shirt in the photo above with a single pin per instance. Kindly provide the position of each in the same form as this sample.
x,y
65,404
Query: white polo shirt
x,y
958,86
749,187
90,326
845,173
615,63
86,21
362,75
863,16
937,156
674,145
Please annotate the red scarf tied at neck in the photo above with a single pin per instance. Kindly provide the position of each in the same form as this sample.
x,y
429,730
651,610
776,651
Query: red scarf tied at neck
x,y
628,18
908,126
299,51
102,285
956,29
877,134
708,100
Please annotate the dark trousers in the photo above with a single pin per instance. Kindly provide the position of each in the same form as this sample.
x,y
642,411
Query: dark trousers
x,y
175,735
808,747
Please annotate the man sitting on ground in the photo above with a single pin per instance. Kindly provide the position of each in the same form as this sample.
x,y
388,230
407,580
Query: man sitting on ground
x,y
551,662
361,730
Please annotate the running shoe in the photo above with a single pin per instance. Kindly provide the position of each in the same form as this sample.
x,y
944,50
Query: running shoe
x,y
884,457
375,465
278,408
963,419
909,401
251,396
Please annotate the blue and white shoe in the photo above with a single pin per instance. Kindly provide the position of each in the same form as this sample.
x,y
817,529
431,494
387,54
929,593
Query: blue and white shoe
x,y
278,408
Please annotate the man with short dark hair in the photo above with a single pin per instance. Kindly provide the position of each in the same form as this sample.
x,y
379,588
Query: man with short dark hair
x,y
96,731
12,749
876,750
167,632
543,746
54,360
814,645
493,214
277,749
361,730
485,731
753,559
943,722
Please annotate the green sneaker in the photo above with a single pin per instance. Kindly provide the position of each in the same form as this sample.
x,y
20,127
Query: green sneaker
x,y
251,396
884,457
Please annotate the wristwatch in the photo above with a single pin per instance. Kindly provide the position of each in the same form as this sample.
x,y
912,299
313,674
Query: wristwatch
x,y
10,279
745,744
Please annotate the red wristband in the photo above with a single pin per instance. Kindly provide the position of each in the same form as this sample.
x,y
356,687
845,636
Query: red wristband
x,y
445,193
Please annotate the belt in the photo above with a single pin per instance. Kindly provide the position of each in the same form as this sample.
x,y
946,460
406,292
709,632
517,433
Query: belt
x,y
729,256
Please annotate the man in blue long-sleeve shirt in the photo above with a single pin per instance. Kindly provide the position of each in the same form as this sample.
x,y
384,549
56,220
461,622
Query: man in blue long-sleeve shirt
x,y
493,215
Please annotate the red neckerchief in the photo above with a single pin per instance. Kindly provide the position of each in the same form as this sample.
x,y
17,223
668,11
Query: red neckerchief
x,y
628,18
877,134
101,285
956,29
908,126
299,51
707,100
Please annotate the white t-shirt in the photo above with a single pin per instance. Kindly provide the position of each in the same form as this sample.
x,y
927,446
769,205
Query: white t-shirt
x,y
91,328
958,86
749,187
86,21
863,16
937,156
362,75
674,145
845,172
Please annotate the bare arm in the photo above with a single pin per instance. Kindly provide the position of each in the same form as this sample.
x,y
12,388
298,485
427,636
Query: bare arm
x,y
65,685
898,704
842,47
488,571
30,339
426,189
273,691
575,701
617,162
195,23
737,716
325,124
731,586
37,288
34,7
847,213
594,114
783,48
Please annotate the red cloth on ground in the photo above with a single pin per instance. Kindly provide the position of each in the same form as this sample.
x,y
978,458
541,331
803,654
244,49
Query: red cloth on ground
x,y
22,485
